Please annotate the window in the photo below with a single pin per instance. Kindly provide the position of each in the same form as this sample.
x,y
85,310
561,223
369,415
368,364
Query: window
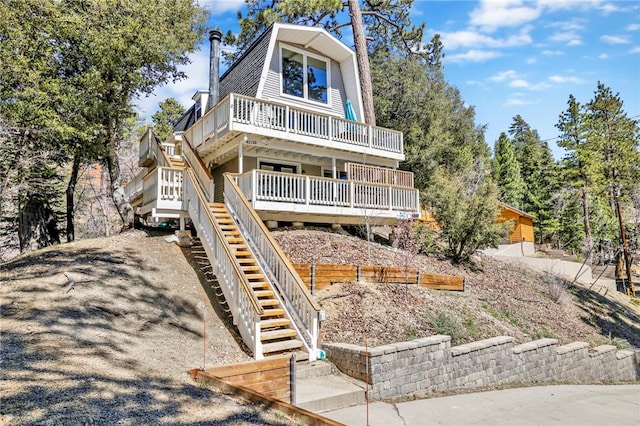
x,y
304,76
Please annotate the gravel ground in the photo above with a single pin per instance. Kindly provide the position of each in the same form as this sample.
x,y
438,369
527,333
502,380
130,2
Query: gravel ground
x,y
116,347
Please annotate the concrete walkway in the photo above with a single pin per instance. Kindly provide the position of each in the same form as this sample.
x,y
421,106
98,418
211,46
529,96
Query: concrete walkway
x,y
611,405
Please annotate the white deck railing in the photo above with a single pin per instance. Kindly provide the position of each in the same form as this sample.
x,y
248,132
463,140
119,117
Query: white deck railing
x,y
261,185
374,174
237,112
299,304
163,188
134,187
243,304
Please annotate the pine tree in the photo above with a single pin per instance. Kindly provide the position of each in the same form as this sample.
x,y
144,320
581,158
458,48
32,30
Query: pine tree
x,y
170,111
539,172
579,167
506,172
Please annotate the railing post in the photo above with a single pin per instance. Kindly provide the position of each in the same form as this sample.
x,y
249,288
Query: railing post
x,y
232,102
292,379
286,119
352,194
390,190
370,135
307,189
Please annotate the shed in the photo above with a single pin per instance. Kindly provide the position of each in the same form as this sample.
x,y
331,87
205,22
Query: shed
x,y
523,223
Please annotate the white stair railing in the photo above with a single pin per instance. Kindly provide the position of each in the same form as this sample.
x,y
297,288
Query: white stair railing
x,y
242,301
298,302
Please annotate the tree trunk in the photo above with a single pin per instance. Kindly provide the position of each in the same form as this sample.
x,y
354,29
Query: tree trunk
x,y
117,191
37,225
362,58
71,190
588,238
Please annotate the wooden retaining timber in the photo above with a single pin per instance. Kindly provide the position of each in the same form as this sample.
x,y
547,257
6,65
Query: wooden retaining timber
x,y
206,378
269,377
319,276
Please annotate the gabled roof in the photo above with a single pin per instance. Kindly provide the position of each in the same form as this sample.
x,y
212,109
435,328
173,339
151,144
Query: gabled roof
x,y
319,40
515,210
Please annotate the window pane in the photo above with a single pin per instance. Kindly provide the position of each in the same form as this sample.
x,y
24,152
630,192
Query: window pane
x,y
292,73
317,79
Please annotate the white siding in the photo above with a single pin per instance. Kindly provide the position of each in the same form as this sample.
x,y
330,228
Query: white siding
x,y
272,90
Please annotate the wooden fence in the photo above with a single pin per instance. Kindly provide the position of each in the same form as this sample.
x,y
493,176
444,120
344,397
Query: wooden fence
x,y
319,276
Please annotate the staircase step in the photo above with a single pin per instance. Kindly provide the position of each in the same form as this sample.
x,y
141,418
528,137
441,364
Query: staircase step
x,y
247,261
269,302
255,276
228,233
272,313
277,334
285,345
264,293
234,240
240,253
259,284
239,246
251,268
275,322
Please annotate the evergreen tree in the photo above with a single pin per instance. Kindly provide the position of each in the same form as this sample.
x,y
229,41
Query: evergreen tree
x,y
170,111
616,139
579,166
443,148
539,172
506,172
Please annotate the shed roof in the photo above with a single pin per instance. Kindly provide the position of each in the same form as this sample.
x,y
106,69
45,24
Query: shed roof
x,y
515,210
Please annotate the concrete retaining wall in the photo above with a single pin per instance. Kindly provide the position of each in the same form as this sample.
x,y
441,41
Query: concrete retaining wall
x,y
430,364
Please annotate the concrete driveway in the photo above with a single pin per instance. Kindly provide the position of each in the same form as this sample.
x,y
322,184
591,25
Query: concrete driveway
x,y
610,405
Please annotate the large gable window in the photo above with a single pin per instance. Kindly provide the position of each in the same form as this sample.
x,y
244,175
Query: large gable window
x,y
304,76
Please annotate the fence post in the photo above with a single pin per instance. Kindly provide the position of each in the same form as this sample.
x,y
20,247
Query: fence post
x,y
292,379
313,278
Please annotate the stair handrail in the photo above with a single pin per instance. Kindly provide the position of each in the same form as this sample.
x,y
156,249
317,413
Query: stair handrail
x,y
204,177
226,247
286,279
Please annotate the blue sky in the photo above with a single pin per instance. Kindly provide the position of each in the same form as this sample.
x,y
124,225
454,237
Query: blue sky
x,y
507,57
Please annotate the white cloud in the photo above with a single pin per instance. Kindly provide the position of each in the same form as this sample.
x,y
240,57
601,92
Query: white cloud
x,y
635,49
493,14
531,61
569,37
516,102
603,56
504,75
197,77
459,39
559,79
633,27
552,52
520,83
219,7
473,56
615,39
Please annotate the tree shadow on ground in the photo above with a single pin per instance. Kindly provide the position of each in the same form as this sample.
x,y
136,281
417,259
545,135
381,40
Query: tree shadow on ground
x,y
613,319
67,356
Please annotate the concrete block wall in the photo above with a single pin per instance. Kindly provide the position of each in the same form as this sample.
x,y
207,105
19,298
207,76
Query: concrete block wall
x,y
428,365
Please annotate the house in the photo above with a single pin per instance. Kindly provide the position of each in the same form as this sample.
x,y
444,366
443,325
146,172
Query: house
x,y
276,138
520,240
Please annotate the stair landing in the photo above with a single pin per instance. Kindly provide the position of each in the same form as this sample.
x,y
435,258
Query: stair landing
x,y
319,388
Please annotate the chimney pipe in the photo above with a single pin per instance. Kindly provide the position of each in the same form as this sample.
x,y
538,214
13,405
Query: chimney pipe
x,y
215,37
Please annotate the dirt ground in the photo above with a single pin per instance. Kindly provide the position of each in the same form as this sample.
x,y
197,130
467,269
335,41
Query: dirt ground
x,y
114,348
499,299
103,331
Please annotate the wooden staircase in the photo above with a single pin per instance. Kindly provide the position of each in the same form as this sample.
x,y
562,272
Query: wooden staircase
x,y
177,162
276,331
